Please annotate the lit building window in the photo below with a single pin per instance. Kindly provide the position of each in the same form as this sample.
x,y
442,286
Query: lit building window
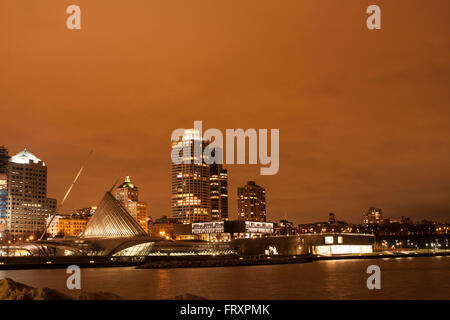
x,y
329,240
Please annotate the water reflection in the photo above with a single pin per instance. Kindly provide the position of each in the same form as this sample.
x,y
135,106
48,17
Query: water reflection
x,y
417,278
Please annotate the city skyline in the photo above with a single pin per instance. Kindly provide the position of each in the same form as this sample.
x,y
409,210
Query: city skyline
x,y
363,121
225,159
126,185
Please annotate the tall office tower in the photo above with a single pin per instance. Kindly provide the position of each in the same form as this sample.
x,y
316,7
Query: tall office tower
x,y
27,204
251,202
219,192
128,195
4,158
191,186
373,216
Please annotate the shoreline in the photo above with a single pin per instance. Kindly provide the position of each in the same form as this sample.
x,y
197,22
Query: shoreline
x,y
385,256
204,262
222,262
235,262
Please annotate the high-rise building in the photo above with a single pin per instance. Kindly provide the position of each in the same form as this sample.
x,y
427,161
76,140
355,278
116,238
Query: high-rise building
x,y
128,195
27,204
251,202
373,216
219,192
4,159
191,184
332,218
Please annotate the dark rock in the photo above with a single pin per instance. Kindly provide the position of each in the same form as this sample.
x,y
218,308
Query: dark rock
x,y
11,290
188,296
97,296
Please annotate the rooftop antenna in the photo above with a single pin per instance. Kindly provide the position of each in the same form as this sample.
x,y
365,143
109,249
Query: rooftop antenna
x,y
65,196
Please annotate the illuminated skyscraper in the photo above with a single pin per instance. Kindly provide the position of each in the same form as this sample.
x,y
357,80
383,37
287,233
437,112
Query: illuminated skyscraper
x,y
219,192
4,158
191,184
251,202
128,195
27,204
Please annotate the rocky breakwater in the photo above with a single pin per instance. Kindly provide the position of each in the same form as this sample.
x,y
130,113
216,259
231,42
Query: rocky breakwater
x,y
12,290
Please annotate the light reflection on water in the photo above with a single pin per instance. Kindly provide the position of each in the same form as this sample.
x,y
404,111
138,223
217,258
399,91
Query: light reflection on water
x,y
417,278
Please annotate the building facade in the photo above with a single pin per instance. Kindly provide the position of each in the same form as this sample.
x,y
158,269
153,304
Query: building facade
x,y
163,228
72,226
27,206
251,202
191,183
329,244
128,195
219,192
53,227
222,231
284,227
4,159
373,216
66,226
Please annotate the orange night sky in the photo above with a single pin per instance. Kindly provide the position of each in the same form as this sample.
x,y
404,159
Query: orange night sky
x,y
364,116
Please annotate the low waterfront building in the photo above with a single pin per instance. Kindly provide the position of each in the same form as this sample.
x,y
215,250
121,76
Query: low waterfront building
x,y
220,231
332,226
189,248
163,228
66,226
71,226
317,244
53,227
413,242
284,227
